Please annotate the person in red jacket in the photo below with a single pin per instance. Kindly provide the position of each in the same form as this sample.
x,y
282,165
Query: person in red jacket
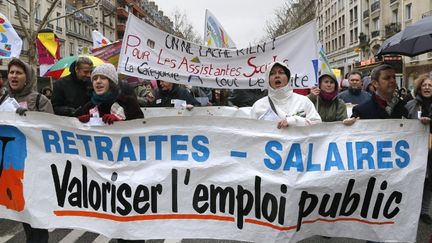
x,y
111,100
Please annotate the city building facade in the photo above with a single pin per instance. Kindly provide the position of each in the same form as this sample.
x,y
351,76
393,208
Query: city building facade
x,y
352,31
338,30
75,30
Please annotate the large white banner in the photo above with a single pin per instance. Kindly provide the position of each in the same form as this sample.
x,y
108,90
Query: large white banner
x,y
214,177
150,53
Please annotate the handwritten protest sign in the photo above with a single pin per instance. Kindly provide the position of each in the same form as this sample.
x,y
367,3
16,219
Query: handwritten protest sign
x,y
214,177
150,53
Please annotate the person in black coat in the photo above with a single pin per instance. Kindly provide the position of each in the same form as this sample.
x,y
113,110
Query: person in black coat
x,y
168,92
245,97
384,104
73,91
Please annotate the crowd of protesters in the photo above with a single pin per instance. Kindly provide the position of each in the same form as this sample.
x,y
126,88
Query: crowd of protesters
x,y
97,92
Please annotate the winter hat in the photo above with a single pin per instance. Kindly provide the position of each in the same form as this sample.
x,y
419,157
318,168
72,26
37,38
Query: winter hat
x,y
108,70
331,76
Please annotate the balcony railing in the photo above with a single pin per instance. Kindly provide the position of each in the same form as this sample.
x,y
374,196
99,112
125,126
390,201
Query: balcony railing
x,y
58,28
366,14
375,33
50,26
392,29
375,6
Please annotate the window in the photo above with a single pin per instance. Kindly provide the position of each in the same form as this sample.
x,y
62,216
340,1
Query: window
x,y
58,20
343,40
408,11
395,16
355,34
355,13
375,24
37,13
71,49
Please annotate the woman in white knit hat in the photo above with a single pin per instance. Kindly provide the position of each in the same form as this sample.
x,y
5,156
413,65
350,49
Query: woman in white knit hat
x,y
110,100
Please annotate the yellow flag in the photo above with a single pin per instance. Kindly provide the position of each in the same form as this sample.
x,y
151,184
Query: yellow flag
x,y
49,42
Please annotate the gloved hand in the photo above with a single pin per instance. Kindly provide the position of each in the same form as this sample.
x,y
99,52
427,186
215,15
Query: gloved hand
x,y
21,111
110,118
84,118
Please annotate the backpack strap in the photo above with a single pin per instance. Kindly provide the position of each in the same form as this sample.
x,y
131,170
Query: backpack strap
x,y
272,106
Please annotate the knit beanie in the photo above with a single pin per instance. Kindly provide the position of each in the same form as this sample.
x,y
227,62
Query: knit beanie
x,y
108,70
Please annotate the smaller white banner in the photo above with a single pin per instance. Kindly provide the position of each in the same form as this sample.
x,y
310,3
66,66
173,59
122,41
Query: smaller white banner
x,y
150,53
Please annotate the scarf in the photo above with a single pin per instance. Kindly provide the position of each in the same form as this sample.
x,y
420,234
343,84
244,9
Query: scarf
x,y
328,96
107,98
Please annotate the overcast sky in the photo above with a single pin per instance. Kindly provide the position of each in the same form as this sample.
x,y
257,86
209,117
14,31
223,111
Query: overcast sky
x,y
243,20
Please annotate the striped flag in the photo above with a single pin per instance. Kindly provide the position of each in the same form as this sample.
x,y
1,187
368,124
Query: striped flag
x,y
215,35
99,40
324,62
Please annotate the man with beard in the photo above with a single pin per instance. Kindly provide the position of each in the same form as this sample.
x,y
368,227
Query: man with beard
x,y
355,94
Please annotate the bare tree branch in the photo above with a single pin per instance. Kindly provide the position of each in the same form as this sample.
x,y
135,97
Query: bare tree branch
x,y
183,27
46,16
21,7
74,12
293,14
20,19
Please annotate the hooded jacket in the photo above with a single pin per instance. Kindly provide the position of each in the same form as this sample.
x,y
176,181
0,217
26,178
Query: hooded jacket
x,y
297,109
70,93
28,98
163,97
329,111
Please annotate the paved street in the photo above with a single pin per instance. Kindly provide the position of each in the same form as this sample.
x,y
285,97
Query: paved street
x,y
12,232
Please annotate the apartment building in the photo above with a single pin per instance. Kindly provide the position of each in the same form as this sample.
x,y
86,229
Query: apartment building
x,y
74,31
352,31
381,19
143,9
338,30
